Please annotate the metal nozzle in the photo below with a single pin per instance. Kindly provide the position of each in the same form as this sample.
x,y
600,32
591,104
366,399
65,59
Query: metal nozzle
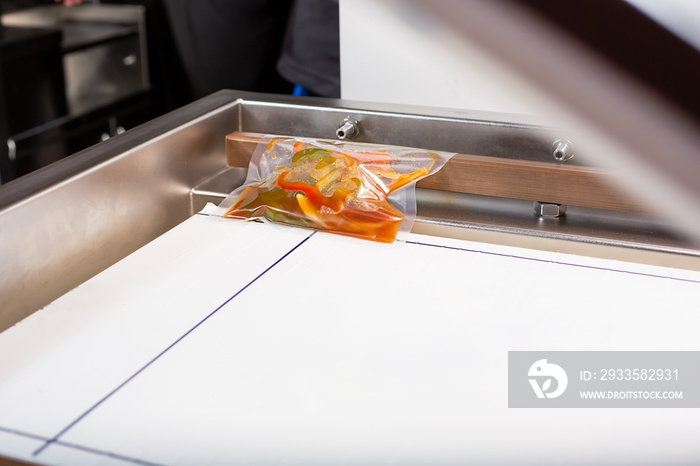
x,y
348,129
563,150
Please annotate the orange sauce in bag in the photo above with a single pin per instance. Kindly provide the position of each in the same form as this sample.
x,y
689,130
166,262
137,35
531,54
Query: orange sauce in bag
x,y
330,191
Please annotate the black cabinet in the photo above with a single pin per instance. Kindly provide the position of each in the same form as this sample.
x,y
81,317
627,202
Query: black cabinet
x,y
32,86
70,78
32,68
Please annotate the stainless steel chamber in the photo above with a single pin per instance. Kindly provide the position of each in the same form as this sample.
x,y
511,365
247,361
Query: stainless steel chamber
x,y
65,223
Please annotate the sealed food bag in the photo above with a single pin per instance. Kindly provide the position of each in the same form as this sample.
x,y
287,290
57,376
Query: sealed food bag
x,y
355,189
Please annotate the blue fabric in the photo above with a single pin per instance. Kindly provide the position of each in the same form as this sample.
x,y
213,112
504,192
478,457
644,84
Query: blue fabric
x,y
300,90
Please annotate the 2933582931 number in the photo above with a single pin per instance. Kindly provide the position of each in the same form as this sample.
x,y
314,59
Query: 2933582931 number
x,y
639,374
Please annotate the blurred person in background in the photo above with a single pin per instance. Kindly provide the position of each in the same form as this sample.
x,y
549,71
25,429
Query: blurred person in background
x,y
259,45
227,44
311,48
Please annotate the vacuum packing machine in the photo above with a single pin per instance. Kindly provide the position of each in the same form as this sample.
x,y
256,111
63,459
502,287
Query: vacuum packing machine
x,y
77,217
340,349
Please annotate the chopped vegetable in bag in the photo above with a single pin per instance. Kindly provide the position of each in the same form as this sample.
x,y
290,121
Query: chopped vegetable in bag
x,y
360,190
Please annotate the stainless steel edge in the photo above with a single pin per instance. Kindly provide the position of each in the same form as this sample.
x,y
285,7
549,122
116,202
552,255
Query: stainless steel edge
x,y
476,133
67,222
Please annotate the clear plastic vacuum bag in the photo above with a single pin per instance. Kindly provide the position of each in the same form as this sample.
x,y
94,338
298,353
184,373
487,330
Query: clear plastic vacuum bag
x,y
361,190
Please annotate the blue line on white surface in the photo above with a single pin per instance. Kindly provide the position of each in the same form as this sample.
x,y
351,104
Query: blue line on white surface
x,y
534,259
94,451
23,434
106,397
55,440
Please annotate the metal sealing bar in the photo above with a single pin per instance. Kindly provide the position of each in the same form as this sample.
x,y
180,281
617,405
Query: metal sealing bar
x,y
499,177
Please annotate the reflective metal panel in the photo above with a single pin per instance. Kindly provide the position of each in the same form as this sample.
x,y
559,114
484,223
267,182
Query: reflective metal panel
x,y
67,222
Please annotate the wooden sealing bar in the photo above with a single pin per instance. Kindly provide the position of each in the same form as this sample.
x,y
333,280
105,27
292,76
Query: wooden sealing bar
x,y
499,177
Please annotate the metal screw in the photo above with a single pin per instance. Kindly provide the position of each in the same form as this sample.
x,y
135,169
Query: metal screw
x,y
348,129
562,150
549,209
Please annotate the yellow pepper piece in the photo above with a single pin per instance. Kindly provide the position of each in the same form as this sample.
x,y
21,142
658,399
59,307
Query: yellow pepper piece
x,y
306,206
325,162
403,180
324,183
272,143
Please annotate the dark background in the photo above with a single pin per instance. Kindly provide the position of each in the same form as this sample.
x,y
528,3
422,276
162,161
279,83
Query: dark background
x,y
33,108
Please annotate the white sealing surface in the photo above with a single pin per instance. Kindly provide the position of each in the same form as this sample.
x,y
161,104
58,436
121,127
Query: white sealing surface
x,y
224,342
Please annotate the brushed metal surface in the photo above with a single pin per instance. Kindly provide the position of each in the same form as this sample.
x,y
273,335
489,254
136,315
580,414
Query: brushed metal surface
x,y
67,222
476,133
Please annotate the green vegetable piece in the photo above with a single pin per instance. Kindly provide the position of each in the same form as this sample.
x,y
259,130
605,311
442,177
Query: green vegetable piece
x,y
274,216
280,216
272,195
307,154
